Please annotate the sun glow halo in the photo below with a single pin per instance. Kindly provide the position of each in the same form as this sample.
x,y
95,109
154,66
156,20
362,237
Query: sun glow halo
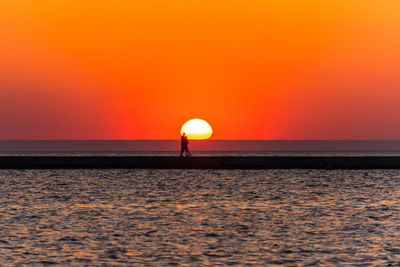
x,y
197,129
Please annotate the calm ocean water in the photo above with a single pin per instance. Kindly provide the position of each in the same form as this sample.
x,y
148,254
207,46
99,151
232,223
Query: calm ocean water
x,y
204,153
199,217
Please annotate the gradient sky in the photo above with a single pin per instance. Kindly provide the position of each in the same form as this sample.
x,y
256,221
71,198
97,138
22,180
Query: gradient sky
x,y
254,69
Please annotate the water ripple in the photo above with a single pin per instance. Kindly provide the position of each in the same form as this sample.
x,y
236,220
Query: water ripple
x,y
199,217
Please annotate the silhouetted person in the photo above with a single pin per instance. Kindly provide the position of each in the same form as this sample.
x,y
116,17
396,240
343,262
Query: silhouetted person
x,y
185,146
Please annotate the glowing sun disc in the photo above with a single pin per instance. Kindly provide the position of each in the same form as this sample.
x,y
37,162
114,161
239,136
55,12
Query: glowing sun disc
x,y
197,129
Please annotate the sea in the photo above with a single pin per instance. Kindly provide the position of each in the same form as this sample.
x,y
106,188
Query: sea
x,y
143,217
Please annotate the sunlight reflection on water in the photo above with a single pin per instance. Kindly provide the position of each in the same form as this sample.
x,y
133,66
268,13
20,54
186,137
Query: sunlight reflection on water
x,y
199,217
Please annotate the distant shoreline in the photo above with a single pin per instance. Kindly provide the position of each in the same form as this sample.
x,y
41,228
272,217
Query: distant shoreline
x,y
168,162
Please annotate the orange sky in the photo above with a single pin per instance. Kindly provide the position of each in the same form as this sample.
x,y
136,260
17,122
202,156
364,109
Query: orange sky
x,y
254,69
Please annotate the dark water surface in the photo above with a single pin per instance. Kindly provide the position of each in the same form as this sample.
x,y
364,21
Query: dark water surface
x,y
207,153
200,217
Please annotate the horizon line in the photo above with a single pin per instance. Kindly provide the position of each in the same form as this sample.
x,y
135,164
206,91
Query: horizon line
x,y
271,140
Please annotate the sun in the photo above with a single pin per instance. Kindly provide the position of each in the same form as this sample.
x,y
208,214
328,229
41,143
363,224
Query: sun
x,y
197,129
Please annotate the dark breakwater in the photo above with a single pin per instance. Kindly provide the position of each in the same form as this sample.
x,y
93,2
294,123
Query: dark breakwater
x,y
169,162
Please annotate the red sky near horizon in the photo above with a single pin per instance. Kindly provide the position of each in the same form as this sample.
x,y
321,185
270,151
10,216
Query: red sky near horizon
x,y
253,69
